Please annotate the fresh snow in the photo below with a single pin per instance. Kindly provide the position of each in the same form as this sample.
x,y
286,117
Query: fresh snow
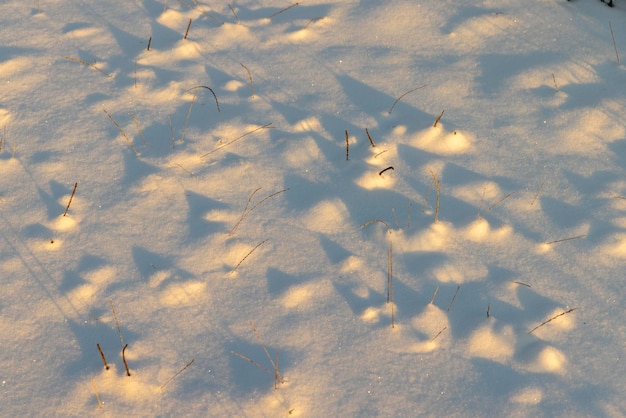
x,y
220,228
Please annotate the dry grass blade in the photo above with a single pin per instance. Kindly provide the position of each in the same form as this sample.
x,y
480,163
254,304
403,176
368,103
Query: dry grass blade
x,y
499,202
71,197
537,194
438,118
614,44
95,389
376,220
439,333
284,10
88,64
248,255
565,239
217,104
249,77
552,319
179,372
247,211
408,92
458,287
234,13
193,100
119,128
143,138
266,126
249,360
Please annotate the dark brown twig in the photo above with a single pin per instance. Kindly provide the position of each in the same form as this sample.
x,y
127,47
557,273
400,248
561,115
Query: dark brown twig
x,y
71,197
104,360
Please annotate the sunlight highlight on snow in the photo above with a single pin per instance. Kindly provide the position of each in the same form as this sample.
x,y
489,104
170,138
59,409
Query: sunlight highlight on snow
x,y
498,346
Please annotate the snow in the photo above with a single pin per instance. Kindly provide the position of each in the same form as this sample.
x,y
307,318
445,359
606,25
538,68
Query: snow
x,y
232,219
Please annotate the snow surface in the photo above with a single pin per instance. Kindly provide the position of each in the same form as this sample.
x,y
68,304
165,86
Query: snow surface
x,y
202,215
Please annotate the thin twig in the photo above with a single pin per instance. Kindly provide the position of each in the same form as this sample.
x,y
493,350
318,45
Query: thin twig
x,y
266,126
537,194
117,323
87,64
523,284
376,220
187,31
234,13
434,294
369,137
284,10
169,118
439,333
247,211
499,202
347,146
119,128
124,360
614,44
71,197
104,360
143,138
247,255
193,100
95,389
438,118
565,239
437,193
400,98
249,77
249,360
217,104
551,319
179,372
454,297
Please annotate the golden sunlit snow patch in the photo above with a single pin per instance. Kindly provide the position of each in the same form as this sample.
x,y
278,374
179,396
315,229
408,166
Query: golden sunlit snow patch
x,y
480,231
435,238
528,396
85,293
351,263
327,216
64,223
376,180
183,293
589,132
439,141
616,246
231,34
174,20
311,124
85,32
184,50
137,388
561,322
13,66
431,322
493,345
371,315
5,117
154,95
159,277
485,192
233,85
302,296
448,273
548,360
475,31
303,152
